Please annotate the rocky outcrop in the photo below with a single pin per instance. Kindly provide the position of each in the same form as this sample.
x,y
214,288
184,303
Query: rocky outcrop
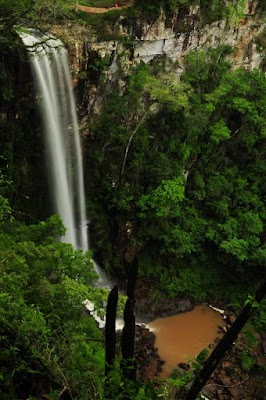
x,y
152,304
186,33
148,360
149,309
168,38
239,376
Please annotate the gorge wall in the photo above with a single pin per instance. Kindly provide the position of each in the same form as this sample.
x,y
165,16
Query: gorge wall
x,y
168,39
102,60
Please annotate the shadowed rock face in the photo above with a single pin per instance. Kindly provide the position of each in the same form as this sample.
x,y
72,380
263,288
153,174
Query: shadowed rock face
x,y
148,360
149,310
150,306
167,38
230,381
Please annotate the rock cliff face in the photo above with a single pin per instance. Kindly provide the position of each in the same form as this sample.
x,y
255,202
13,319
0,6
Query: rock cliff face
x,y
169,39
160,40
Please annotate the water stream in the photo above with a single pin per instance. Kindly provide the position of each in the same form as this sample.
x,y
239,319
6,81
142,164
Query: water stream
x,y
50,66
178,338
182,337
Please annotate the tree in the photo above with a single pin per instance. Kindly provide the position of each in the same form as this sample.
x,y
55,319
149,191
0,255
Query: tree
x,y
48,343
191,154
5,209
226,342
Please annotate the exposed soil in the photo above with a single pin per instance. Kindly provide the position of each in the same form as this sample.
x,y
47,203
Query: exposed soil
x,y
101,10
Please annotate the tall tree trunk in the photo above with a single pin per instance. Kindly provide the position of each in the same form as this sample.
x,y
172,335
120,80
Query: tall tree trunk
x,y
110,334
128,363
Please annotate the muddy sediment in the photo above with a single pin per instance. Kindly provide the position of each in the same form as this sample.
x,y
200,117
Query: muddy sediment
x,y
232,379
241,375
180,338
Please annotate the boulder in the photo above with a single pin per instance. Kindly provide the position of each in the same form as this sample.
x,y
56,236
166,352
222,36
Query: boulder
x,y
210,391
184,366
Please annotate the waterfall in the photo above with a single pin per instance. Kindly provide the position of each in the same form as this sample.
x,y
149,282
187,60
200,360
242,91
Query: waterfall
x,y
50,66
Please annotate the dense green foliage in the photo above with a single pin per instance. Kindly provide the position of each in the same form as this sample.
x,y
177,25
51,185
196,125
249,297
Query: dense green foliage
x,y
40,13
49,346
178,180
48,343
210,11
178,176
29,9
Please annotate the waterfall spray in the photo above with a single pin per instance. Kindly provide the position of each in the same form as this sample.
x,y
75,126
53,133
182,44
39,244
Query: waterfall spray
x,y
50,66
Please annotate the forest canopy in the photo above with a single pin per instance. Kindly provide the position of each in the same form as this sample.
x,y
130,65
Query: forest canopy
x,y
191,187
175,167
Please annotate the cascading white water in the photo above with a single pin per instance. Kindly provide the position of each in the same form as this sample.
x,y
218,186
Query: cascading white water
x,y
49,61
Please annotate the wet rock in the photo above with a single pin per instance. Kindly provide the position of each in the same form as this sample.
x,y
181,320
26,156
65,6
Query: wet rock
x,y
152,369
239,347
228,382
235,392
225,380
184,366
149,363
222,329
150,339
150,305
145,332
147,310
210,391
228,366
183,305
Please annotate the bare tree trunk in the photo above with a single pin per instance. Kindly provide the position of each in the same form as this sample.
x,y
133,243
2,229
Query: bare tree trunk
x,y
129,143
128,364
110,334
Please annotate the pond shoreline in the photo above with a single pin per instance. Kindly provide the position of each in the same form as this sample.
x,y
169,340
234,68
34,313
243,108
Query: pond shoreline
x,y
232,380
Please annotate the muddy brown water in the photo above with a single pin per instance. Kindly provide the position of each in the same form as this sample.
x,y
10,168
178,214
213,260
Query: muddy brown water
x,y
181,337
